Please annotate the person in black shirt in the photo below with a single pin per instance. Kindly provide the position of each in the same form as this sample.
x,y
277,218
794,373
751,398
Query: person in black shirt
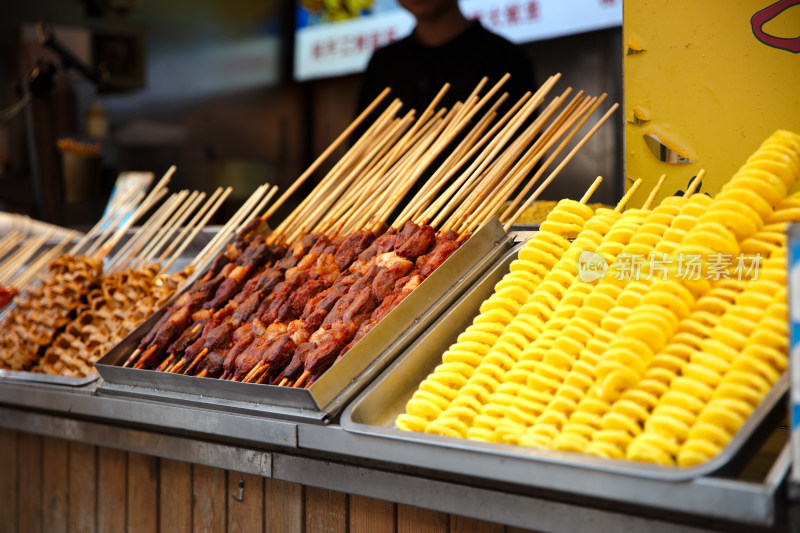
x,y
444,47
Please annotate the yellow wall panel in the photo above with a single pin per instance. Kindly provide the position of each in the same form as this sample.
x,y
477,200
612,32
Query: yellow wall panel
x,y
698,77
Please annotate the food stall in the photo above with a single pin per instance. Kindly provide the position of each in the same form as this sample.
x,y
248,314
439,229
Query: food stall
x,y
419,418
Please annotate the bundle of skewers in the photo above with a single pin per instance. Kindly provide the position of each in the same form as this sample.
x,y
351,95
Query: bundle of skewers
x,y
18,250
100,290
282,309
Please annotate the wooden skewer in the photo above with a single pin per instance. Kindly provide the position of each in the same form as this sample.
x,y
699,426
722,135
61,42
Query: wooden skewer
x,y
333,176
113,225
301,379
439,145
148,202
344,188
575,110
334,145
190,225
491,195
624,200
376,176
128,196
182,211
264,201
563,163
10,241
475,194
592,188
561,125
42,261
225,231
145,233
652,198
458,203
196,230
256,372
695,183
9,246
283,382
168,238
23,254
456,160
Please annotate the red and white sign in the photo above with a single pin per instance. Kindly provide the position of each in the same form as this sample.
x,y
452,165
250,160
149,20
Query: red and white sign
x,y
338,48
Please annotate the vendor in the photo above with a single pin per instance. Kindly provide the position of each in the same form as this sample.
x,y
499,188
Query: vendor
x,y
444,47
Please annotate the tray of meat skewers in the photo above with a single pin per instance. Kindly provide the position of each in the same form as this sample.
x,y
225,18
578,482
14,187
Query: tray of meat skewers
x,y
294,323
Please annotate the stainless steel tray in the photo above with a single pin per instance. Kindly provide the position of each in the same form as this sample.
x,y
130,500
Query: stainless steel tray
x,y
183,260
328,395
35,377
375,410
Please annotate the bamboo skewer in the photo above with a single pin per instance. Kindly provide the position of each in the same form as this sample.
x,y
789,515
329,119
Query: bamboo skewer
x,y
440,203
379,173
582,112
353,177
23,254
144,256
695,184
563,163
487,157
196,230
331,178
456,160
190,226
9,242
192,203
552,135
324,155
493,195
43,260
144,234
627,196
129,197
591,190
237,218
652,197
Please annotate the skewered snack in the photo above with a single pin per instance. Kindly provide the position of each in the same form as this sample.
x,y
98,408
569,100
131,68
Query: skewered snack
x,y
337,270
76,312
649,363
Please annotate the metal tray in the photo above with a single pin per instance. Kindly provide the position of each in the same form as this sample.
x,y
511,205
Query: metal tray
x,y
328,395
375,410
35,377
185,258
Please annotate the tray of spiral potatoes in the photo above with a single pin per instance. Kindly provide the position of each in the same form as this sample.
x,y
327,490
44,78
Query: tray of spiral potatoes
x,y
654,371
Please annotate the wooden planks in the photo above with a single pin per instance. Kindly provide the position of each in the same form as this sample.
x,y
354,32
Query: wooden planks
x,y
209,513
326,511
8,481
417,520
50,484
142,493
55,484
82,488
368,515
283,506
112,473
175,496
247,514
461,524
29,483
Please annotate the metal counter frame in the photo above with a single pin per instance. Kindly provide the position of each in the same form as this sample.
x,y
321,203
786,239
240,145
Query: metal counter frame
x,y
331,458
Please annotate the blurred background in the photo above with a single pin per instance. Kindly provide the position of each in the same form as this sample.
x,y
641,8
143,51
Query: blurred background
x,y
238,92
